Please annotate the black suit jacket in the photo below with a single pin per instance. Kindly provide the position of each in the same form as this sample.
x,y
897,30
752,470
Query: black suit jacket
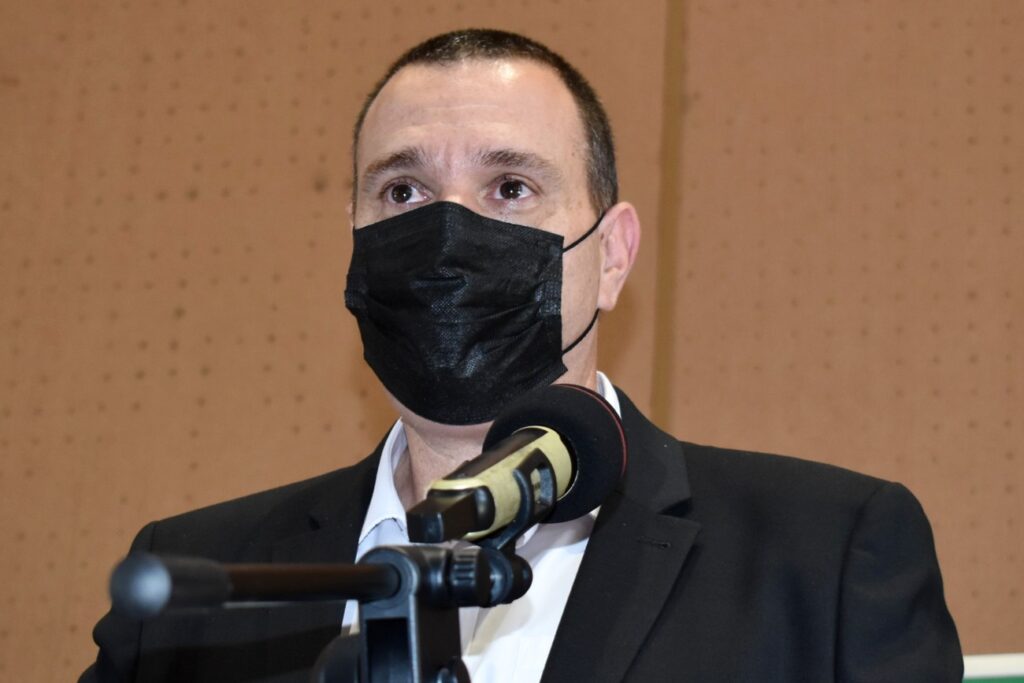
x,y
704,565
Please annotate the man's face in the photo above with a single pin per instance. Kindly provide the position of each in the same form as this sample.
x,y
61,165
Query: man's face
x,y
501,137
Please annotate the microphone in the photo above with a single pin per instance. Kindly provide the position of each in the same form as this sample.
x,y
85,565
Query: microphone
x,y
552,455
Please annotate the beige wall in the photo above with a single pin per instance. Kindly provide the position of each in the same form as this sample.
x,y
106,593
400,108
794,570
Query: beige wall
x,y
833,239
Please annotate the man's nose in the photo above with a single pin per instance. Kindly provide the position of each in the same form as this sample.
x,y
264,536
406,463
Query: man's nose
x,y
466,199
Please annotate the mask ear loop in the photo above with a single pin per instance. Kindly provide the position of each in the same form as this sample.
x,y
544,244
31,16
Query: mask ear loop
x,y
588,233
593,320
583,336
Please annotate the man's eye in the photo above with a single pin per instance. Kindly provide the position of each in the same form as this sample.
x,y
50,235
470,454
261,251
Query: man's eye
x,y
402,193
513,189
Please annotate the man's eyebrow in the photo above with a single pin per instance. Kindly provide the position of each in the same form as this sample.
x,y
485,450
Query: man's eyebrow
x,y
415,157
513,158
408,157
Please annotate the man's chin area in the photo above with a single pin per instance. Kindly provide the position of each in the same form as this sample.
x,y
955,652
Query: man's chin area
x,y
583,376
427,426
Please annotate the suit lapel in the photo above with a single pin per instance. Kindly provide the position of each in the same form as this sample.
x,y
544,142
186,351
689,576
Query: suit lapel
x,y
295,635
633,558
335,517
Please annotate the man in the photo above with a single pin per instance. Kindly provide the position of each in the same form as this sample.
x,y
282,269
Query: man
x,y
488,236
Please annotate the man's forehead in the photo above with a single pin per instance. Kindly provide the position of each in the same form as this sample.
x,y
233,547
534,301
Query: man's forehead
x,y
476,88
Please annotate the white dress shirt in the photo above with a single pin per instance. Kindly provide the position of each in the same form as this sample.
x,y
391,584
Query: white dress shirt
x,y
508,642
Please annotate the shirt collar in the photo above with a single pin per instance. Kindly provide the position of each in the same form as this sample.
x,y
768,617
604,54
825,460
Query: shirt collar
x,y
608,393
385,505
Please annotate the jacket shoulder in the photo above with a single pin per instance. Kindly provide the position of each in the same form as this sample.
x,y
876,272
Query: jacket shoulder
x,y
229,528
774,472
790,507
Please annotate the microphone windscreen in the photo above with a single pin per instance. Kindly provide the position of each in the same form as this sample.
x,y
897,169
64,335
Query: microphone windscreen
x,y
591,430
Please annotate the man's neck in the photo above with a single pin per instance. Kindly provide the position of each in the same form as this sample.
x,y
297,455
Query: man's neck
x,y
431,456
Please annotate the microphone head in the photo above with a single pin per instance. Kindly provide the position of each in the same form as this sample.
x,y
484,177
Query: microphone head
x,y
591,430
140,586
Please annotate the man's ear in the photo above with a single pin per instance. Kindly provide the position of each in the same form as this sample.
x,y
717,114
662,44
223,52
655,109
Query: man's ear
x,y
620,240
351,211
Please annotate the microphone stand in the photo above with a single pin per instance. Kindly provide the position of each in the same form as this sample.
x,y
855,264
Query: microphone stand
x,y
409,595
414,634
409,602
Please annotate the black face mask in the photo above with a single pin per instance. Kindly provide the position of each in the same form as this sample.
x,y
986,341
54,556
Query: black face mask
x,y
459,313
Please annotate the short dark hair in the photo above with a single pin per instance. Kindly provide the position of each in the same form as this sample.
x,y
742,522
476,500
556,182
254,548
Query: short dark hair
x,y
463,45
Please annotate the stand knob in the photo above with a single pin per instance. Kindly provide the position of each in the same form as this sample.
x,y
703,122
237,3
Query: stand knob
x,y
469,577
486,577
